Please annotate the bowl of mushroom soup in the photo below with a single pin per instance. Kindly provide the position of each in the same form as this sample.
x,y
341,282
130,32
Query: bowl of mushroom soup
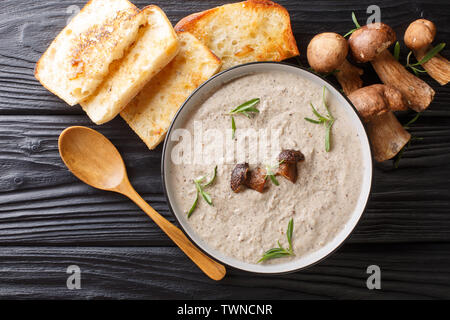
x,y
267,167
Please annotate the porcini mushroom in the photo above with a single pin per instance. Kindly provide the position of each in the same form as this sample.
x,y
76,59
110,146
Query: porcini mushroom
x,y
418,37
370,43
375,104
327,52
239,177
288,164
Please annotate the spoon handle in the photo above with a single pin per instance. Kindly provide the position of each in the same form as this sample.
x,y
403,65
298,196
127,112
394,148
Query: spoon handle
x,y
211,268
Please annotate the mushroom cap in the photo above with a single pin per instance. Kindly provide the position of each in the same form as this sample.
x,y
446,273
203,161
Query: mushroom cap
x,y
327,51
420,34
239,176
374,100
291,156
370,40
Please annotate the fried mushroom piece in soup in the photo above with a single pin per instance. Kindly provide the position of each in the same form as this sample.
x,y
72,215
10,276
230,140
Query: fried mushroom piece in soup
x,y
257,179
239,177
288,164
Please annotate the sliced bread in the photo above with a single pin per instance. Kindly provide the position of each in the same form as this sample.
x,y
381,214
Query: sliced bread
x,y
78,59
149,114
155,46
253,30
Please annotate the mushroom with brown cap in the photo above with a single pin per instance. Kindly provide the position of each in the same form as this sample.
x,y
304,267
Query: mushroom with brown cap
x,y
418,37
239,177
370,43
375,104
327,52
288,164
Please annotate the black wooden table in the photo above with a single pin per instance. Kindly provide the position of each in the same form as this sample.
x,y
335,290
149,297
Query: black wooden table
x,y
49,220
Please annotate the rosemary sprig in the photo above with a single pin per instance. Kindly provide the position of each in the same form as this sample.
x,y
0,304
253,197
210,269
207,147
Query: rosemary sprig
x,y
328,121
280,251
247,108
200,191
430,54
357,25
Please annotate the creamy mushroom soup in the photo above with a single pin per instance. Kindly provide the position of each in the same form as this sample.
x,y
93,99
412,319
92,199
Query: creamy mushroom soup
x,y
247,224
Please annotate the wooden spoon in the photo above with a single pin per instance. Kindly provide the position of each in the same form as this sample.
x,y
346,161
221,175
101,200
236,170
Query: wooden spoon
x,y
92,158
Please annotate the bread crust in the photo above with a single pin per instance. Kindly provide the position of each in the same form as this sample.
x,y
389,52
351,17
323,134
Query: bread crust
x,y
81,43
156,45
150,113
275,47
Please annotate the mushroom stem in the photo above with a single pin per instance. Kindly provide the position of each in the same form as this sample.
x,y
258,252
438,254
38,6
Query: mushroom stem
x,y
418,93
387,136
437,67
375,104
348,77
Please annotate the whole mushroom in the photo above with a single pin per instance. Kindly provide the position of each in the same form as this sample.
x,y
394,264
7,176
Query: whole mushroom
x,y
375,104
418,37
327,52
370,43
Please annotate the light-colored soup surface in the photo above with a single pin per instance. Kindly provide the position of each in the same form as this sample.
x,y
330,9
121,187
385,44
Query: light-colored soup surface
x,y
244,225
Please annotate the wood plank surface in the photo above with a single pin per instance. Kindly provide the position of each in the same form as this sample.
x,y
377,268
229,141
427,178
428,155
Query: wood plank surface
x,y
49,219
161,273
42,203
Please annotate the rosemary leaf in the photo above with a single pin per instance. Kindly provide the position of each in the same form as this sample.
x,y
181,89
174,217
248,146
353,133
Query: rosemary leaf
x,y
212,178
194,205
328,136
410,122
430,54
274,180
289,232
245,106
207,197
313,121
273,255
350,32
355,21
318,115
397,50
233,126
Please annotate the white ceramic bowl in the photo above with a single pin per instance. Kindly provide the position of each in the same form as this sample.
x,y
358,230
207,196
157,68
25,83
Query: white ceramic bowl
x,y
204,91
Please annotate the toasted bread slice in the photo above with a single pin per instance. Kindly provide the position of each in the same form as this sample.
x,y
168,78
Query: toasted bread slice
x,y
155,46
253,30
78,59
150,113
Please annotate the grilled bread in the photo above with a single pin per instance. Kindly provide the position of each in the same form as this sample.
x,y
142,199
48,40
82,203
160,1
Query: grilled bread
x,y
155,46
78,59
253,30
149,114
